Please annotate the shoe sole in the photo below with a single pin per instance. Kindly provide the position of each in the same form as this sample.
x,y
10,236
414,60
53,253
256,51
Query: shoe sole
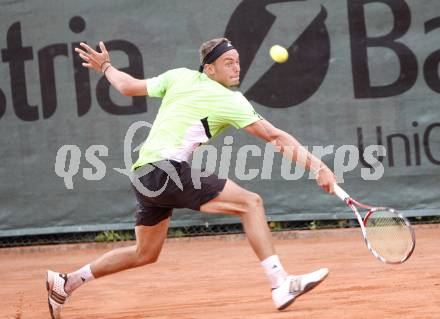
x,y
307,288
48,288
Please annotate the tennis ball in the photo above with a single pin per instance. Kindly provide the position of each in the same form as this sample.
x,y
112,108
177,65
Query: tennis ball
x,y
278,53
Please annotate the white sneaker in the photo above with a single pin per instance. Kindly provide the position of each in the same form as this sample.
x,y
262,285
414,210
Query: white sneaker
x,y
56,295
295,286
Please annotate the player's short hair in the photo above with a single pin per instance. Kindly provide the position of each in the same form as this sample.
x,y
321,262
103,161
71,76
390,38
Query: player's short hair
x,y
208,46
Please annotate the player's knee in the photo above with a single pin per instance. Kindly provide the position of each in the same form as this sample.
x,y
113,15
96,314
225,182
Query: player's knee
x,y
145,258
254,201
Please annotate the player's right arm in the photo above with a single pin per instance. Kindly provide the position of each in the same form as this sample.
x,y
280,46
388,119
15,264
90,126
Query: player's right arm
x,y
291,148
100,62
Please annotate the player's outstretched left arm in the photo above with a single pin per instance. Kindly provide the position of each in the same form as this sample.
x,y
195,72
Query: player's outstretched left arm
x,y
290,147
100,62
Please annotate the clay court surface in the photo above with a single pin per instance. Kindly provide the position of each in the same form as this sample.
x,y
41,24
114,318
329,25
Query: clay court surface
x,y
219,277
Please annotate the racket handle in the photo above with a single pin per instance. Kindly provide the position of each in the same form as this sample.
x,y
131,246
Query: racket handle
x,y
340,192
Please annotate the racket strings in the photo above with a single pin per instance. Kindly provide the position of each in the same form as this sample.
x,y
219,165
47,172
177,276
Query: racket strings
x,y
389,235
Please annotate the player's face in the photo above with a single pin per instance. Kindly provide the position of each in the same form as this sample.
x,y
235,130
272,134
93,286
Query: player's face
x,y
226,69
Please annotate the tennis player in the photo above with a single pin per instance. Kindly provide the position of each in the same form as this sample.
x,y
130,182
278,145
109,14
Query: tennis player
x,y
196,106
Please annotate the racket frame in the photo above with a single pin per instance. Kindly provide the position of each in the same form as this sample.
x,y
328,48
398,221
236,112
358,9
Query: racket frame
x,y
362,222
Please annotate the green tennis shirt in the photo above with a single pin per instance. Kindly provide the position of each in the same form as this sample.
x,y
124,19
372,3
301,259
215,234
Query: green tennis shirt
x,y
194,109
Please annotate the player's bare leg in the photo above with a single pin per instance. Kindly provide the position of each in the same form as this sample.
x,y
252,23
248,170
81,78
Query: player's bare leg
x,y
149,242
249,207
236,200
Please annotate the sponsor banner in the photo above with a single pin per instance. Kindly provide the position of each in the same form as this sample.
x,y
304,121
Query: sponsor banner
x,y
360,89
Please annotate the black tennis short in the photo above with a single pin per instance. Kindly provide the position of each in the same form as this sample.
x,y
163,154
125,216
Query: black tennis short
x,y
152,207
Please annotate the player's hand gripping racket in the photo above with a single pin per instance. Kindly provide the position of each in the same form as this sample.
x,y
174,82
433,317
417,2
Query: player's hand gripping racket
x,y
388,235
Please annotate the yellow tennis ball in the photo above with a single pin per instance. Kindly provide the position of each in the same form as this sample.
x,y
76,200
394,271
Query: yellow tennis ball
x,y
278,53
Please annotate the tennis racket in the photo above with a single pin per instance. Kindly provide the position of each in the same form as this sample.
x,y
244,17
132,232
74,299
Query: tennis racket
x,y
387,234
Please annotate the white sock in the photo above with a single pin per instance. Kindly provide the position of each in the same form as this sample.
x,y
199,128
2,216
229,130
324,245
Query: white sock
x,y
274,271
77,278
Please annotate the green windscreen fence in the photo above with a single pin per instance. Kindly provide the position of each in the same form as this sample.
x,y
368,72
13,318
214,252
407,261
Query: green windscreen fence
x,y
360,89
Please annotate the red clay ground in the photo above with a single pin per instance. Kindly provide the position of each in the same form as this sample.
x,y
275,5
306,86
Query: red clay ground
x,y
219,277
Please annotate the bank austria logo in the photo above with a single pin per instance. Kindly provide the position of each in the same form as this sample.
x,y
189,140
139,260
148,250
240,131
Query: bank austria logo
x,y
299,26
